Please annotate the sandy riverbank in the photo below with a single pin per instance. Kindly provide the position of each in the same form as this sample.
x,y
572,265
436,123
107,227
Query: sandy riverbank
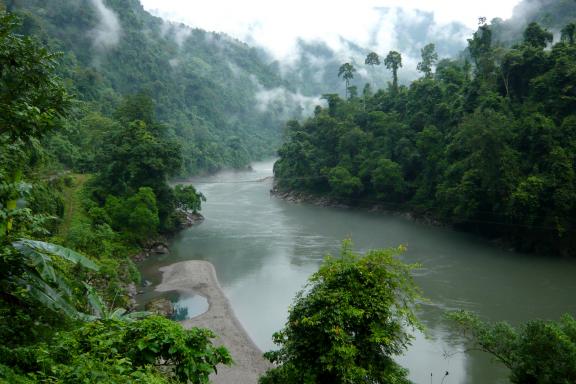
x,y
200,277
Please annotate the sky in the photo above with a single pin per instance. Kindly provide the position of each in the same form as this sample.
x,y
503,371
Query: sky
x,y
277,24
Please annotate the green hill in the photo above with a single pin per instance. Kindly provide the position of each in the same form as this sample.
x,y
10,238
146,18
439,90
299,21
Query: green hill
x,y
204,85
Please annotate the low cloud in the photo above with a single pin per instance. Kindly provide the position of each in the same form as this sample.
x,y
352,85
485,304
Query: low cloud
x,y
286,104
107,33
176,31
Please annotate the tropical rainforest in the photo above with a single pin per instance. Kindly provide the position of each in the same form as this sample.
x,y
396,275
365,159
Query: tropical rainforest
x,y
485,142
103,104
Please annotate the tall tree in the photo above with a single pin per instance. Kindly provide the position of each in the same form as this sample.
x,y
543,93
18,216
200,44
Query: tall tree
x,y
346,71
480,48
429,58
393,61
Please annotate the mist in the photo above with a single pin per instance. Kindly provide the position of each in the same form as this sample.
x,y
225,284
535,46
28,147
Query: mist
x,y
107,33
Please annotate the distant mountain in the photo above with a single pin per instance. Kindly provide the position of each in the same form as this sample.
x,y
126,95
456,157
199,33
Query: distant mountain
x,y
313,69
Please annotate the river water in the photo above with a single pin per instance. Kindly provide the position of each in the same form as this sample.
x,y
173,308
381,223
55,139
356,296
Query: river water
x,y
264,249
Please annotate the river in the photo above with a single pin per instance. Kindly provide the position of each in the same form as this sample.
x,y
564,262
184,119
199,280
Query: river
x,y
265,248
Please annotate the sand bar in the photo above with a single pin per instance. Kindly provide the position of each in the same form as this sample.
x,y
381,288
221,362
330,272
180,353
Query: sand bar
x,y
199,277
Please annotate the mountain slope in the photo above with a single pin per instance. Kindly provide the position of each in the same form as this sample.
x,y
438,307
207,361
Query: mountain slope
x,y
204,85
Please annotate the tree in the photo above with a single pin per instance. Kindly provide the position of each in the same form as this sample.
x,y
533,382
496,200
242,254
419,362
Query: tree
x,y
372,59
537,37
568,33
429,57
393,61
480,48
540,352
346,71
187,198
348,323
32,98
343,183
388,180
136,216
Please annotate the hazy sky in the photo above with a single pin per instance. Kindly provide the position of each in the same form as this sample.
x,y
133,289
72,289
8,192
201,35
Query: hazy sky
x,y
276,24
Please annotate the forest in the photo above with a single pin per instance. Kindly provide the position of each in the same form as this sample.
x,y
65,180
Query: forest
x,y
203,84
94,129
485,142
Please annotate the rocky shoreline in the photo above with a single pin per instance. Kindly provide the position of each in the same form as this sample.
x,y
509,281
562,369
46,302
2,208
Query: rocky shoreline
x,y
300,197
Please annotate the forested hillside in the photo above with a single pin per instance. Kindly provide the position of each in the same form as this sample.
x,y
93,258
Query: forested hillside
x,y
203,84
487,144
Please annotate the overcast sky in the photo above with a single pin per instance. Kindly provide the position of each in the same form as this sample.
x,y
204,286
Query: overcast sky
x,y
276,24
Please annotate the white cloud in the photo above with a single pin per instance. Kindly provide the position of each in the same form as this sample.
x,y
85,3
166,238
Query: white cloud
x,y
107,33
285,103
277,25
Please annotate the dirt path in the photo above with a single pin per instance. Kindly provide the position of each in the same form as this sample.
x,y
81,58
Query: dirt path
x,y
72,203
200,277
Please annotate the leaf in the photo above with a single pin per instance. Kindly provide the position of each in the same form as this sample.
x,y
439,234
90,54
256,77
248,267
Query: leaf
x,y
41,262
47,296
95,301
56,250
138,315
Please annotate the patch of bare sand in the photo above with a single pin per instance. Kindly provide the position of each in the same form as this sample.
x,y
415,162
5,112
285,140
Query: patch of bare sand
x,y
200,277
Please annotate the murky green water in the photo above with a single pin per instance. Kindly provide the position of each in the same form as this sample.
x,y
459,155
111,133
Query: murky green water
x,y
264,249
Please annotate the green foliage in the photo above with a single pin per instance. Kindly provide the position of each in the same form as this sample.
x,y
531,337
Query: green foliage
x,y
540,352
487,147
135,216
153,350
33,266
372,59
42,300
204,85
429,57
187,198
346,71
31,97
343,183
537,37
349,322
393,61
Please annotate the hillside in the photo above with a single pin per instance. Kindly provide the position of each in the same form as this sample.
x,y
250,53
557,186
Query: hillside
x,y
205,85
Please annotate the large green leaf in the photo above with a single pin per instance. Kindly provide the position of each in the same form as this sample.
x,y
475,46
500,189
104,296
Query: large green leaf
x,y
40,261
41,247
40,291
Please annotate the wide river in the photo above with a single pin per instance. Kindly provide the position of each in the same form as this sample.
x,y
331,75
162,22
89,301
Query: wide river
x,y
264,249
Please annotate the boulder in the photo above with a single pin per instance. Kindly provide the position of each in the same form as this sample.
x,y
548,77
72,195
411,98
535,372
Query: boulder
x,y
160,306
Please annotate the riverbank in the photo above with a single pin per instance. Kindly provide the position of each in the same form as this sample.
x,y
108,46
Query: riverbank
x,y
299,197
199,277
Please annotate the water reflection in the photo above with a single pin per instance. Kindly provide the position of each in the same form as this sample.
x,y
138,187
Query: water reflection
x,y
187,306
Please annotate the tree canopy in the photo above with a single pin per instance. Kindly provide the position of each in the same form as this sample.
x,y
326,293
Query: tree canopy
x,y
487,145
346,326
